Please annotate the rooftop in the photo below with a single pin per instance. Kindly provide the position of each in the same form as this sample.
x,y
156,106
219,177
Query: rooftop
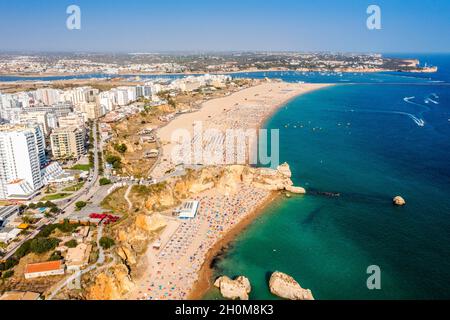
x,y
44,266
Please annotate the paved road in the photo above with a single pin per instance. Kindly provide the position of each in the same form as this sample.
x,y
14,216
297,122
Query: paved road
x,y
89,188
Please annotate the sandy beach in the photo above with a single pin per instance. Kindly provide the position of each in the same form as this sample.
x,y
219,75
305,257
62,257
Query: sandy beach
x,y
173,269
246,109
179,266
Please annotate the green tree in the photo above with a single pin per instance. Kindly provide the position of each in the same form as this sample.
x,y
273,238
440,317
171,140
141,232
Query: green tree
x,y
106,242
27,219
104,181
55,256
121,148
46,230
115,161
7,274
54,210
80,205
41,245
23,250
71,243
10,263
49,204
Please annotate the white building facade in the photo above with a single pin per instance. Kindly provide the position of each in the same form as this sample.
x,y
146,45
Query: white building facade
x,y
22,153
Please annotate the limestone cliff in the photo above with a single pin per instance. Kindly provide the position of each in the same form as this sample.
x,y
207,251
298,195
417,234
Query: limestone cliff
x,y
134,235
112,284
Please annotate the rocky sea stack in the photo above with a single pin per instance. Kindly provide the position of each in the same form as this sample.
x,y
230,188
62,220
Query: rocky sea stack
x,y
233,289
399,201
284,286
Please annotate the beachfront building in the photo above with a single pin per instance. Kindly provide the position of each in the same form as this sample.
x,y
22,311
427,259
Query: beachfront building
x,y
67,143
193,83
22,154
44,269
188,210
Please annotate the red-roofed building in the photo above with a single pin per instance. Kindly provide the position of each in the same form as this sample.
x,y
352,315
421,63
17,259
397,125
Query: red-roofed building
x,y
44,269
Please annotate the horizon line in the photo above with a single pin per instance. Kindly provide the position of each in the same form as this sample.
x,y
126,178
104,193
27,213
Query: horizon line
x,y
181,51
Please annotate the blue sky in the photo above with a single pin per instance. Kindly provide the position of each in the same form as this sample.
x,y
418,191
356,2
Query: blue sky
x,y
149,25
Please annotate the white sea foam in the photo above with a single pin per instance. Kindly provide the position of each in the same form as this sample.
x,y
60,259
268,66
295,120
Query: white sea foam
x,y
418,121
428,100
407,99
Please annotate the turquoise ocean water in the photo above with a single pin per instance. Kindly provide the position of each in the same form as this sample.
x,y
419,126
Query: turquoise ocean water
x,y
380,136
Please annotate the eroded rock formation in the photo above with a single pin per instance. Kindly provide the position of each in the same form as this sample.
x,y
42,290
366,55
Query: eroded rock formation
x,y
399,201
111,284
233,289
284,286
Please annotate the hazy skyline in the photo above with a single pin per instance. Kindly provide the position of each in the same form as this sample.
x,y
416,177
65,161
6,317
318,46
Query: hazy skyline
x,y
287,25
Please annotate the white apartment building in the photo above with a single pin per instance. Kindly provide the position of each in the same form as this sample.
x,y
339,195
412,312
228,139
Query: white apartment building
x,y
80,95
10,107
47,96
72,120
67,143
192,83
121,97
22,153
106,101
59,109
47,120
92,110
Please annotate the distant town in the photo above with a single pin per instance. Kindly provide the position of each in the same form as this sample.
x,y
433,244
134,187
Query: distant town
x,y
171,63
